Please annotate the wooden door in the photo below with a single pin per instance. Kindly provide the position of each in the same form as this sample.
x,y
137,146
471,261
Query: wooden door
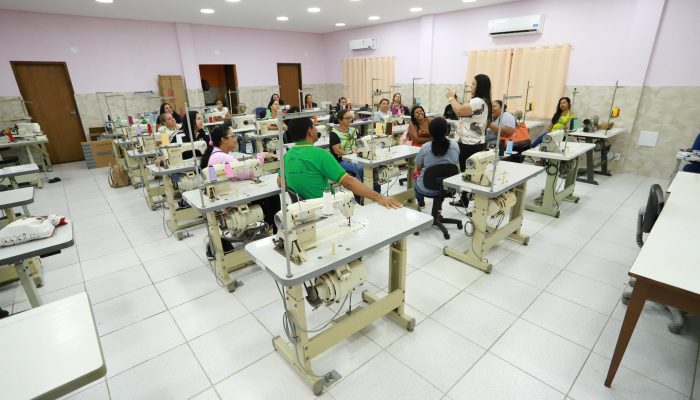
x,y
289,78
48,89
172,87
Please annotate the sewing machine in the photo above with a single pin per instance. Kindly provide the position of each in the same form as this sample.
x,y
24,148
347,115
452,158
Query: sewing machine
x,y
475,168
25,129
145,143
217,178
244,121
551,142
375,147
302,217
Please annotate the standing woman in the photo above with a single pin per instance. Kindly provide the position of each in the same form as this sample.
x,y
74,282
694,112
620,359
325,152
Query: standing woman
x,y
168,108
474,117
418,130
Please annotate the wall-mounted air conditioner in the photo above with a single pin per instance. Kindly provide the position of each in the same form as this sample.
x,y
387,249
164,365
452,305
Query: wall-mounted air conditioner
x,y
363,44
529,25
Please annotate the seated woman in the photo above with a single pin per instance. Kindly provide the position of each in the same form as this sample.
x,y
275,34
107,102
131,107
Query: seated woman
x,y
220,111
343,141
397,108
561,118
196,127
223,141
418,129
440,150
309,102
272,109
509,131
168,108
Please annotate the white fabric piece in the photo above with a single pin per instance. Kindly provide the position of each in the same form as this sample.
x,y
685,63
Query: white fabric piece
x,y
28,228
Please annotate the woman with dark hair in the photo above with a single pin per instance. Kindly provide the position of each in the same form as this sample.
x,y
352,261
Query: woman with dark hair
x,y
440,150
168,108
196,127
309,102
275,97
474,117
418,130
343,141
561,116
223,141
397,108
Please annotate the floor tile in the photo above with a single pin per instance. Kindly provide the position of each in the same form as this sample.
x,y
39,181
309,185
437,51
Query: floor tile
x,y
126,309
600,270
187,286
586,292
628,385
155,250
377,266
346,356
50,297
504,292
109,263
576,323
139,342
207,312
96,222
102,248
475,319
232,347
209,394
7,294
258,290
172,265
382,378
612,234
385,331
542,354
175,374
453,272
419,252
655,318
109,286
523,268
147,235
106,232
663,361
427,293
268,379
96,392
494,379
562,237
623,255
550,253
441,362
66,257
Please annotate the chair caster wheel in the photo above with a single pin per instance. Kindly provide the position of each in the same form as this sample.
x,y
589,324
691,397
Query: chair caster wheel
x,y
459,226
447,236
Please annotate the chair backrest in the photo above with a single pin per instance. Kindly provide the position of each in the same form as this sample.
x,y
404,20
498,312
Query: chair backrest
x,y
434,175
260,112
696,143
655,203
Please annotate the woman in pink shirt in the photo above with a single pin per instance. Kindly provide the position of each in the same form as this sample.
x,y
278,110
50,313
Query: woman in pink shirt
x,y
223,141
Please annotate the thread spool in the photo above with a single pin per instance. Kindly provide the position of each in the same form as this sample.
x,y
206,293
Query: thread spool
x,y
138,129
509,147
228,171
212,174
164,139
327,203
131,120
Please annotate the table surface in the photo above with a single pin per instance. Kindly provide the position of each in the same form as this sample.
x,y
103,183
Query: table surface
x,y
532,124
378,227
160,171
50,350
145,154
26,141
16,197
213,123
684,181
62,238
266,135
669,254
125,142
396,153
250,128
599,134
248,191
573,150
17,170
514,173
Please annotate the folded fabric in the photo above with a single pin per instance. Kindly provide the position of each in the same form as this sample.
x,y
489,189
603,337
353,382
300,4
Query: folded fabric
x,y
29,228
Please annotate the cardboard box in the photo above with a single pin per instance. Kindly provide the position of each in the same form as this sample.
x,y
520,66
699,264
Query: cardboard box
x,y
98,154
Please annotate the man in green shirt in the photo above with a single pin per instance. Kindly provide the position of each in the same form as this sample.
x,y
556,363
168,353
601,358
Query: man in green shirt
x,y
309,168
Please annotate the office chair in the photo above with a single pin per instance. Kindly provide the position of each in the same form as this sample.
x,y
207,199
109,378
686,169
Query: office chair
x,y
646,218
693,166
260,112
432,179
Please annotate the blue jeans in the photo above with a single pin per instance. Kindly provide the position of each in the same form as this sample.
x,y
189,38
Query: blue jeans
x,y
359,173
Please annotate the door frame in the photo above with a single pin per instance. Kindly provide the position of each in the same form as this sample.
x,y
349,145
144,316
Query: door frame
x,y
70,84
301,83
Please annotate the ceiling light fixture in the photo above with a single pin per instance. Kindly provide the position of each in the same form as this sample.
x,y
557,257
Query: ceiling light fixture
x,y
313,9
207,11
233,1
105,1
282,18
415,9
468,1
340,24
373,18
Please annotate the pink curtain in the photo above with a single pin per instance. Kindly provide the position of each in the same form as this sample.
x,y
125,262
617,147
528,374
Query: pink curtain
x,y
358,74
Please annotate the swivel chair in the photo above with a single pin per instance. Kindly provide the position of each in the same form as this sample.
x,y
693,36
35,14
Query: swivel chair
x,y
646,218
693,166
432,179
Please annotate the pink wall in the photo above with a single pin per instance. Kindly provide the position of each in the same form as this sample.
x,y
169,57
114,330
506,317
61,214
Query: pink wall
x,y
399,39
676,59
257,52
113,55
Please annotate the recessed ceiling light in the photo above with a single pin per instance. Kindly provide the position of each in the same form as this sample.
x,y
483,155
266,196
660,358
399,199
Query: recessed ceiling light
x,y
233,1
354,1
415,9
313,9
468,1
340,24
206,11
105,1
282,18
373,18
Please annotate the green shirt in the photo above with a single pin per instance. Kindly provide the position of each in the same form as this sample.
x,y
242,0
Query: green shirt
x,y
309,168
563,121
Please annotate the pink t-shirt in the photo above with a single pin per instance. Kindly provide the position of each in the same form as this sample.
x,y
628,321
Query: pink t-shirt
x,y
218,156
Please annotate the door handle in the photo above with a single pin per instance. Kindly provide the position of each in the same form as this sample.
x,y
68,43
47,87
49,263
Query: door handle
x,y
74,113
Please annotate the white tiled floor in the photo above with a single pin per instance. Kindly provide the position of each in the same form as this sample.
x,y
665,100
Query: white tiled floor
x,y
541,326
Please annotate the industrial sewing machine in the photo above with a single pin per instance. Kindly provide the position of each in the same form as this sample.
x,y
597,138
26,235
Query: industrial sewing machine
x,y
218,178
244,121
475,168
591,124
551,142
302,217
375,147
26,129
145,143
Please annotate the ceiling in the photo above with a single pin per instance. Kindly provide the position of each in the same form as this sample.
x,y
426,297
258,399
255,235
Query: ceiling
x,y
260,14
